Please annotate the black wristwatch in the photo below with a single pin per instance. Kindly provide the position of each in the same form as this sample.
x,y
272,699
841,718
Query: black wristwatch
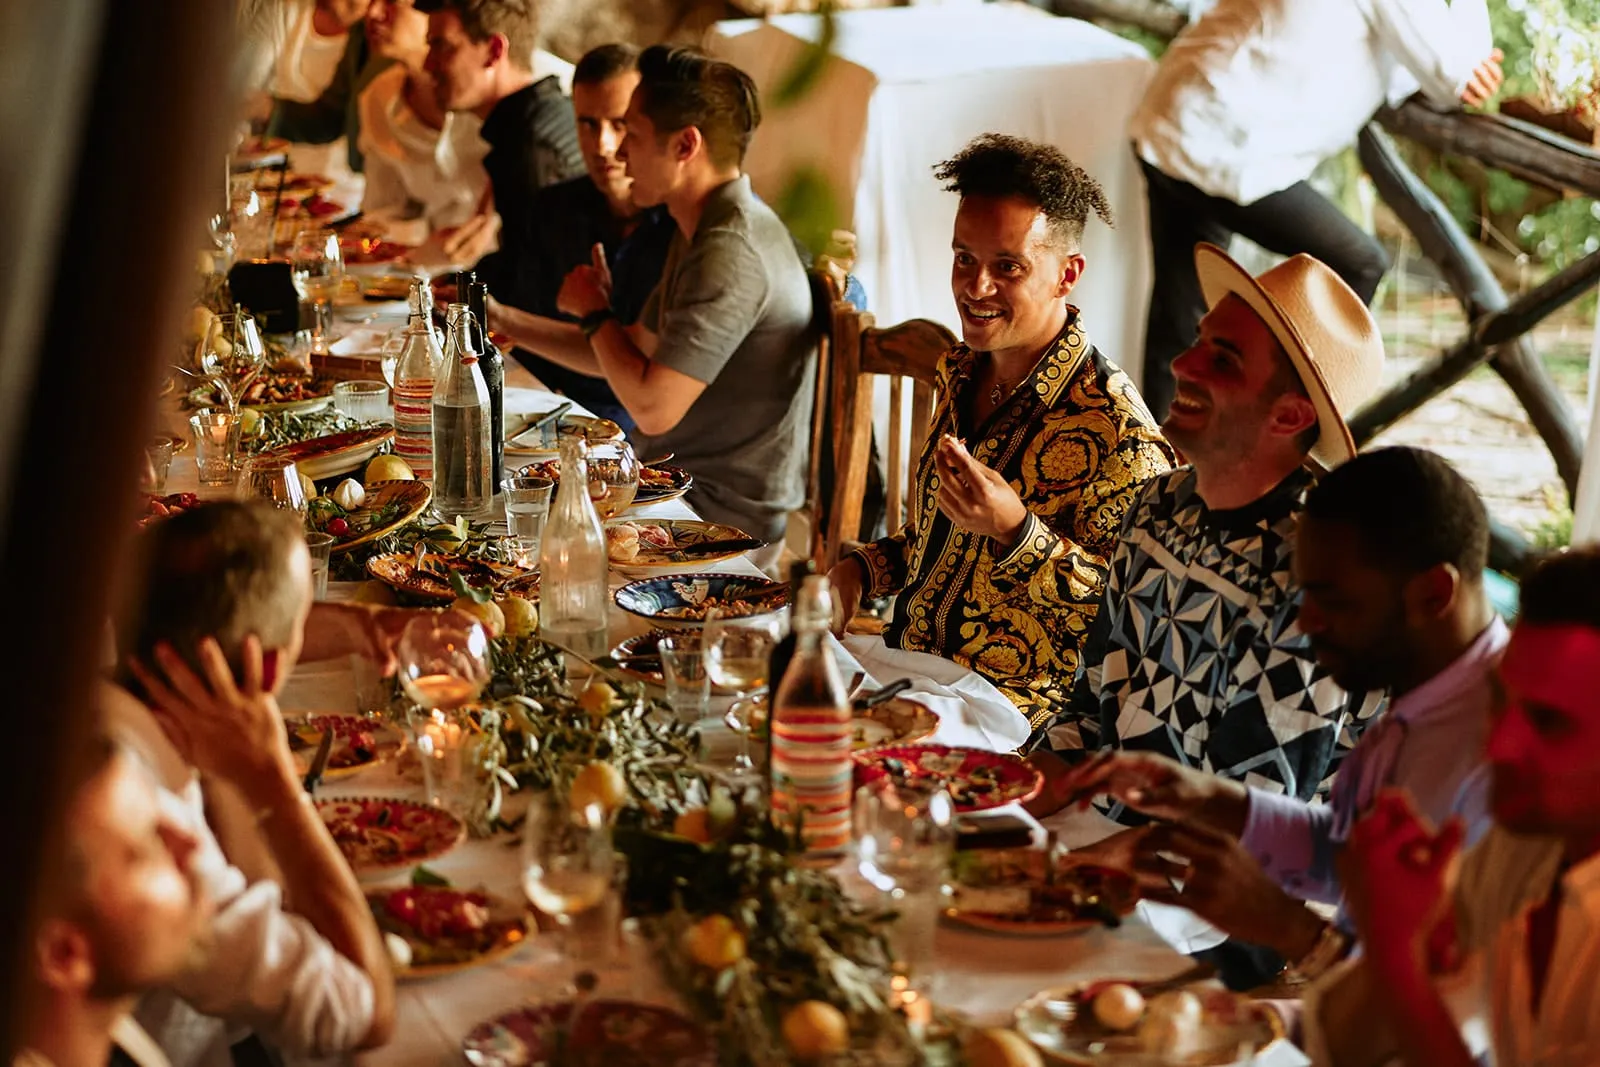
x,y
590,324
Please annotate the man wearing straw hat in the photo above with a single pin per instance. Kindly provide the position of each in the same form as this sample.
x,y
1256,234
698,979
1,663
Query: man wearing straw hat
x,y
1196,653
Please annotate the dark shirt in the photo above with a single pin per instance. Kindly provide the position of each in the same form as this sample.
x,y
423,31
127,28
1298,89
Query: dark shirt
x,y
533,142
335,113
565,221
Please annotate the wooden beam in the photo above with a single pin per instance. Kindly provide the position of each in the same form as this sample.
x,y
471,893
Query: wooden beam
x,y
1530,152
1480,293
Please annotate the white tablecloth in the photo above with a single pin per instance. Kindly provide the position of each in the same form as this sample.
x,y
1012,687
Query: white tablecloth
x,y
908,88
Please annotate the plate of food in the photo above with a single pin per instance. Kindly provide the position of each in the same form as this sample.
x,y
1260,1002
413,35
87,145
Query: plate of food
x,y
358,743
161,507
1115,1023
1031,891
682,601
430,582
656,484
977,780
379,835
386,507
370,251
896,721
671,543
386,287
302,186
334,453
446,930
615,1033
253,148
309,205
523,440
276,391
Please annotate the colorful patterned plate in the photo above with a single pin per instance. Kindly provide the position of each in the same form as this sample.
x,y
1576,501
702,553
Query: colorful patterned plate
x,y
449,930
334,453
1233,1029
977,780
359,743
432,585
1014,891
681,601
660,544
547,441
388,506
616,1033
380,834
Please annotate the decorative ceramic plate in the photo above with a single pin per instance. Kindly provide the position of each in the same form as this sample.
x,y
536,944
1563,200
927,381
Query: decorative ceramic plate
x,y
977,780
334,453
1232,1030
432,583
659,545
546,441
358,743
1027,891
616,1033
448,930
381,834
388,506
657,484
682,600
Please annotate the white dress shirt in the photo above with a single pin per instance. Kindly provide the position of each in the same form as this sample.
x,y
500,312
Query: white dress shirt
x,y
434,178
1252,96
266,970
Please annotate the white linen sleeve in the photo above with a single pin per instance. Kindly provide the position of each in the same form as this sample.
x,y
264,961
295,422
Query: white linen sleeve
x,y
1440,42
267,968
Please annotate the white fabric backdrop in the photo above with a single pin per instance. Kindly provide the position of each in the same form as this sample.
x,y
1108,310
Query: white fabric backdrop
x,y
906,89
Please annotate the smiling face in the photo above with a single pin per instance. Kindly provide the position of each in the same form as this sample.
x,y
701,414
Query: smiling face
x,y
1544,744
602,112
1010,275
396,29
1235,390
463,70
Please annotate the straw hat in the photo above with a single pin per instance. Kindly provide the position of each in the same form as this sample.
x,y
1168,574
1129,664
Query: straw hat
x,y
1325,327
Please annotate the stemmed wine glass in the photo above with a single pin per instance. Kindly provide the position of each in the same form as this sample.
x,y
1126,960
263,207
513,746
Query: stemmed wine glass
x,y
738,654
231,355
277,481
568,872
444,666
318,271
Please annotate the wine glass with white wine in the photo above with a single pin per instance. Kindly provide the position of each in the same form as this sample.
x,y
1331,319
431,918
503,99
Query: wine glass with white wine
x,y
738,655
567,870
318,267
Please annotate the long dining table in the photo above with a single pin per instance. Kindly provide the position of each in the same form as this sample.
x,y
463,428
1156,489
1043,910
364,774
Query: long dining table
x,y
982,975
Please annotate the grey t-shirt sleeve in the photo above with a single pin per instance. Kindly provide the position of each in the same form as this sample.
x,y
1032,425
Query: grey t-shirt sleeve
x,y
719,292
650,314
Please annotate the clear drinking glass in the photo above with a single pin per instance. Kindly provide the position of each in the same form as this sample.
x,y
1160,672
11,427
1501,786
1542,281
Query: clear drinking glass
x,y
320,545
905,835
393,345
683,665
364,401
738,655
613,476
527,506
443,660
275,480
318,267
231,355
158,452
216,447
451,750
567,865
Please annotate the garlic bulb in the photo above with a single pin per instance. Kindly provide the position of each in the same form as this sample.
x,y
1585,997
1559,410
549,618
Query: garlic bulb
x,y
348,494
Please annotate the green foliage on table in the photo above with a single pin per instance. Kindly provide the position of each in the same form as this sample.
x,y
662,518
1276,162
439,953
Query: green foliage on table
x,y
274,429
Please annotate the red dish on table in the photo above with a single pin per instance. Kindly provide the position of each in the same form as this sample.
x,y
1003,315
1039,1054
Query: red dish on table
x,y
977,780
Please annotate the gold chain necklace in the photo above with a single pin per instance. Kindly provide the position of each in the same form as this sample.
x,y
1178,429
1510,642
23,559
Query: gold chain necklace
x,y
999,392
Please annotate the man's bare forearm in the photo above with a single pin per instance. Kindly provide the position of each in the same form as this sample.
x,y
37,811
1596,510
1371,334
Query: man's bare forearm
x,y
560,342
1423,1028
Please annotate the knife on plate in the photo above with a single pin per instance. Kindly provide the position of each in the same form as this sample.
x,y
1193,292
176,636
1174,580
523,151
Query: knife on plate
x,y
540,422
319,762
726,544
888,692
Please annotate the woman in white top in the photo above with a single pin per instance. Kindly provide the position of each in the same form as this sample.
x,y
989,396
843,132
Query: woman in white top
x,y
424,166
1245,104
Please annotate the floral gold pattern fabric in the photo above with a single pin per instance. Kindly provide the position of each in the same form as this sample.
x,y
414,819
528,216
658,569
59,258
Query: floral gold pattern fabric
x,y
1075,441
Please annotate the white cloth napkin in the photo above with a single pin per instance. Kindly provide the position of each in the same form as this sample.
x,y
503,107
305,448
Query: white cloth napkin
x,y
972,713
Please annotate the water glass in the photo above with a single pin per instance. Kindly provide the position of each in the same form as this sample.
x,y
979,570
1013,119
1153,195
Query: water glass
x,y
905,835
527,506
275,480
216,447
521,552
567,865
158,454
683,665
364,401
451,751
318,268
320,546
594,935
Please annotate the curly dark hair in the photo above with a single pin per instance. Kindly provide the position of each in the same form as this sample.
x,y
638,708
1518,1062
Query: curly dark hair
x,y
997,164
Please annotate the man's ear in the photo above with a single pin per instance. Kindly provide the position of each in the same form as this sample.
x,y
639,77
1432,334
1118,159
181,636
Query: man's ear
x,y
1291,415
63,956
1429,595
686,142
272,669
1071,271
499,48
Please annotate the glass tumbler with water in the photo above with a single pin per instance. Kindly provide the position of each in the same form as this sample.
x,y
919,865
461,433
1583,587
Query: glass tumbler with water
x,y
527,507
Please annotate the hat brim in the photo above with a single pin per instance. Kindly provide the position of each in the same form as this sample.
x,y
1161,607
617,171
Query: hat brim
x,y
1220,276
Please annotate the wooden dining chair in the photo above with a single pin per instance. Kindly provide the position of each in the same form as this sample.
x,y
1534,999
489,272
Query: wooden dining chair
x,y
859,352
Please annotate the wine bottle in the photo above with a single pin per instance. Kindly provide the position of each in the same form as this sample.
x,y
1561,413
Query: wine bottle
x,y
494,374
810,728
419,363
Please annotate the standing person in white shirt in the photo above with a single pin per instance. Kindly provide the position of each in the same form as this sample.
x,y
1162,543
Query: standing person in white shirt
x,y
424,165
1244,105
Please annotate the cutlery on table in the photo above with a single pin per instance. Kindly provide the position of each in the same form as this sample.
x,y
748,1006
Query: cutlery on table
x,y
888,692
726,544
542,421
319,762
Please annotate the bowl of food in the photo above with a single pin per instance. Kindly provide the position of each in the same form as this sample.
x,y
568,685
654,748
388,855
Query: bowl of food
x,y
682,601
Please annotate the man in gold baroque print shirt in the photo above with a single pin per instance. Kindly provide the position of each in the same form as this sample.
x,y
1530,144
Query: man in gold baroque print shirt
x,y
1037,447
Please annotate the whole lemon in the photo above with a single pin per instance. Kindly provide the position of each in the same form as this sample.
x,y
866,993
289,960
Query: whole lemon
x,y
445,537
387,468
714,942
486,612
522,617
250,424
695,824
814,1028
598,783
598,698
307,486
1000,1048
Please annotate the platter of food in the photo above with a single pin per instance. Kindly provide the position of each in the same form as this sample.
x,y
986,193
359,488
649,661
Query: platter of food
x,y
431,581
381,834
275,391
657,484
161,507
446,930
1032,892
615,1033
523,440
683,600
1110,1023
385,507
671,543
334,453
361,251
977,780
358,743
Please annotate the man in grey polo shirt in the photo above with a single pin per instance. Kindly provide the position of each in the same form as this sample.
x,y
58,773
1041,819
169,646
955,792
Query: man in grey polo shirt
x,y
718,370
